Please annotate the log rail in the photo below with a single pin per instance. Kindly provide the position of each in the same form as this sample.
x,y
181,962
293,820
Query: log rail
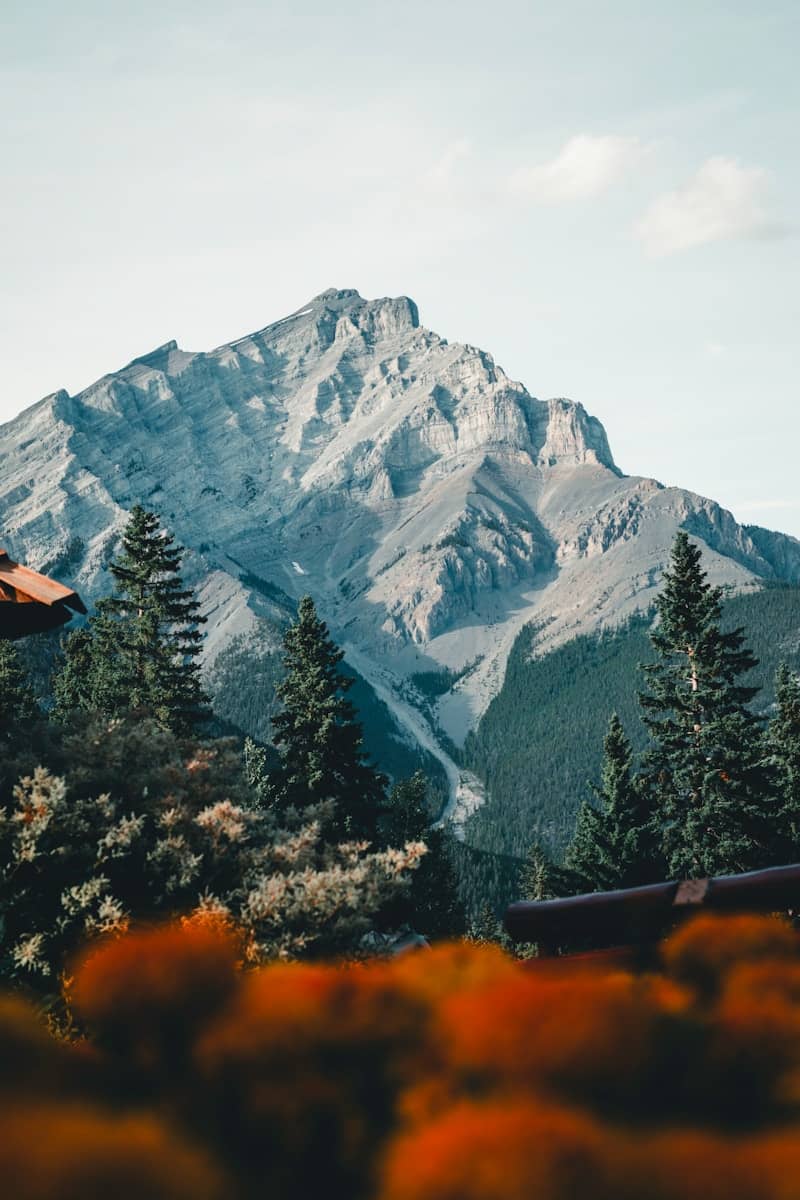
x,y
641,916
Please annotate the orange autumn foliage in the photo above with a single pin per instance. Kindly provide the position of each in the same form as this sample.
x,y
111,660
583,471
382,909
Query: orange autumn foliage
x,y
147,992
702,952
500,1151
307,1065
585,1035
451,1074
754,1040
516,1150
452,967
681,1163
47,1153
775,1159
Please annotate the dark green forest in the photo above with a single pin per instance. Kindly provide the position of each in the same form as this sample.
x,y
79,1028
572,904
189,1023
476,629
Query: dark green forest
x,y
242,682
539,743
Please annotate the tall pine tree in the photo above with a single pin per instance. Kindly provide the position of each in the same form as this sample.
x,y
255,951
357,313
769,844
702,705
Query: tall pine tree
x,y
614,845
706,770
319,741
140,649
783,738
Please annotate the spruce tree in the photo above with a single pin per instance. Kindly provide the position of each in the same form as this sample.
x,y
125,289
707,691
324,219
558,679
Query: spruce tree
x,y
318,739
706,769
255,760
73,681
18,707
432,905
587,855
783,739
485,929
140,649
540,878
614,845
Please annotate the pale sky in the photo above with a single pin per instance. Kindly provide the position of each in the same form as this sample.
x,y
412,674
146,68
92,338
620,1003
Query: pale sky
x,y
602,193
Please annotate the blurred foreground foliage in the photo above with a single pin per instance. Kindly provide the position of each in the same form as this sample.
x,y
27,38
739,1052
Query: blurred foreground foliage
x,y
448,1074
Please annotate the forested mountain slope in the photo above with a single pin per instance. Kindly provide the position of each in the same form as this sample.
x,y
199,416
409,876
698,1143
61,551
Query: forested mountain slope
x,y
540,741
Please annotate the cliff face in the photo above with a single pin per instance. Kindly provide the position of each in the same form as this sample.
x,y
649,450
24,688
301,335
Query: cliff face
x,y
429,503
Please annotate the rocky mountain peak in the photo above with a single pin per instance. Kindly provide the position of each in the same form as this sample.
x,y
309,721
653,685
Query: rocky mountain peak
x,y
428,502
156,358
386,315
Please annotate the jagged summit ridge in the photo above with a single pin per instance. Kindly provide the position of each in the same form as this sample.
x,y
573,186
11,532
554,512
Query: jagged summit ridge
x,y
430,503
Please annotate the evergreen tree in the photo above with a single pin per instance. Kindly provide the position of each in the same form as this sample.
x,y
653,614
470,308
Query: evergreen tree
x,y
706,770
614,842
588,854
140,649
319,741
18,707
73,680
541,879
255,761
783,739
432,905
486,929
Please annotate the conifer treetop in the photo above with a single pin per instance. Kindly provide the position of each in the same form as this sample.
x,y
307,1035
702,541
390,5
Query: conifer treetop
x,y
706,768
139,650
318,738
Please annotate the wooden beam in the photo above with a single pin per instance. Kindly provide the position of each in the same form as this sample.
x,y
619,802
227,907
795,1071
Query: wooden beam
x,y
637,916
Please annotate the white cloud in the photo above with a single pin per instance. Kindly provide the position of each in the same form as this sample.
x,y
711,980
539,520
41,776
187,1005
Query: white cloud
x,y
584,167
723,200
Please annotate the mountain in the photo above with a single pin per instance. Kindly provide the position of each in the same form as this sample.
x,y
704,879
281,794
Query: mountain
x,y
431,505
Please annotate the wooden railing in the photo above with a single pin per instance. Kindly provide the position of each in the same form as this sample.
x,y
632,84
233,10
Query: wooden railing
x,y
640,916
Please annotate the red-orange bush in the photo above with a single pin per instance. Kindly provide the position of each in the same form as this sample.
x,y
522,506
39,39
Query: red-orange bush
x,y
452,967
588,1036
504,1152
147,993
775,1160
702,952
753,1054
455,1074
305,1069
49,1153
679,1164
520,1150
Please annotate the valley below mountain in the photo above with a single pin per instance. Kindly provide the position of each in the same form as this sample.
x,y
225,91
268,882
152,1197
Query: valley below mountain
x,y
436,511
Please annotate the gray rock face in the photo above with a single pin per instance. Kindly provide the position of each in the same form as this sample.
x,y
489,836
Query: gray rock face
x,y
429,503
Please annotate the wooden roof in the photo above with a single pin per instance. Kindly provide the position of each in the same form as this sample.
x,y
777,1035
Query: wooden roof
x,y
30,602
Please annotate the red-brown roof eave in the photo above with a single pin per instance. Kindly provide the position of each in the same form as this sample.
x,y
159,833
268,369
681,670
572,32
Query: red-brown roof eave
x,y
30,585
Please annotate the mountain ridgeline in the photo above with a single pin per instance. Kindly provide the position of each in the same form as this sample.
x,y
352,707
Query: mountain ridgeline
x,y
447,523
